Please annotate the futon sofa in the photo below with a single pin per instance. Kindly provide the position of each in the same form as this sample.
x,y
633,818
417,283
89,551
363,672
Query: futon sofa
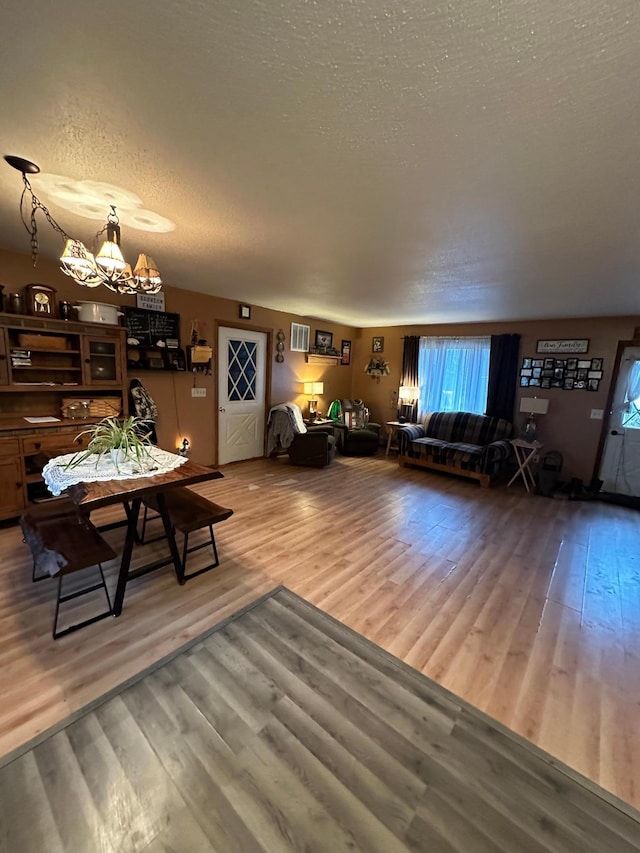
x,y
474,446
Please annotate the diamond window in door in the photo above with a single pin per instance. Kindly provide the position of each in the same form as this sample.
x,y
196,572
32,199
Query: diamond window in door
x,y
241,379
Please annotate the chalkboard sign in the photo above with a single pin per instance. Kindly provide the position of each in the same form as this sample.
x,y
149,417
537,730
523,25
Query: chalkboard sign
x,y
147,328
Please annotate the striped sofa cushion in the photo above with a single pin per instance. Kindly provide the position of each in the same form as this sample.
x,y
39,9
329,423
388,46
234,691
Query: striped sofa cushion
x,y
465,427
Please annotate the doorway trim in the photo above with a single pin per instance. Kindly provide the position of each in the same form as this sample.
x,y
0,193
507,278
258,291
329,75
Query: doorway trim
x,y
248,327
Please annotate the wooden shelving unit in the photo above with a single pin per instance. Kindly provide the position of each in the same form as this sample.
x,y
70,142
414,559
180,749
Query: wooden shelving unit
x,y
85,360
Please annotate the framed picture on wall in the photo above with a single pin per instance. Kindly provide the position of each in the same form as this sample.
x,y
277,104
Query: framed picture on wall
x,y
377,344
345,350
324,340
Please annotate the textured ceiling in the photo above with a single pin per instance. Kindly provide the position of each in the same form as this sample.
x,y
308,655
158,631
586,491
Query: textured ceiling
x,y
367,162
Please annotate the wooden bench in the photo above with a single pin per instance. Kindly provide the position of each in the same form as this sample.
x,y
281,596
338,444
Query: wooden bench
x,y
75,544
188,511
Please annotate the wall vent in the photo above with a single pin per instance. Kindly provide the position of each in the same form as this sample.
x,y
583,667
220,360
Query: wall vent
x,y
300,337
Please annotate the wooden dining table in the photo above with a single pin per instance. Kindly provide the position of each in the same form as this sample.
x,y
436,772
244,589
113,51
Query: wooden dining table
x,y
89,496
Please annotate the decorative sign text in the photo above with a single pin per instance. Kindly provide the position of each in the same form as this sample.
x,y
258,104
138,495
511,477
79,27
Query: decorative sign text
x,y
564,346
150,301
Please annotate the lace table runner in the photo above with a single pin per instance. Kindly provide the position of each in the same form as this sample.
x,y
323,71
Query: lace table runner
x,y
100,467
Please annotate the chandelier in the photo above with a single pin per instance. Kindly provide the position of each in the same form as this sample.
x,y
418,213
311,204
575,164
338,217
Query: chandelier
x,y
107,267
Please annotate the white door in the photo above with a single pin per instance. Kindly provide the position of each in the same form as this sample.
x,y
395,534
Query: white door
x,y
620,466
241,390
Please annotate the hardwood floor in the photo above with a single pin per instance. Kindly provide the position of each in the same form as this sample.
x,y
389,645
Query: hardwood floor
x,y
526,607
283,730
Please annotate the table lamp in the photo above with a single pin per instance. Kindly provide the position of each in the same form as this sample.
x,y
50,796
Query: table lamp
x,y
407,394
312,389
532,406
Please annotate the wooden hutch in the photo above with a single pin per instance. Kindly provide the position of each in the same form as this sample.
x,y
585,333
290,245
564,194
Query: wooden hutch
x,y
44,361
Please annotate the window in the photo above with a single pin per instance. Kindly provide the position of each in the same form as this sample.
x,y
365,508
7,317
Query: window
x,y
631,408
453,374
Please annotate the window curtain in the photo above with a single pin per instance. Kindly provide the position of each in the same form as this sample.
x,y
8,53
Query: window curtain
x,y
503,376
453,374
410,375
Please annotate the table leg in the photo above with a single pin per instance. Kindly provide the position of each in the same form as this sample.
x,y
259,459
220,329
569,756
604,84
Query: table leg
x,y
113,525
528,472
171,538
525,460
389,437
132,535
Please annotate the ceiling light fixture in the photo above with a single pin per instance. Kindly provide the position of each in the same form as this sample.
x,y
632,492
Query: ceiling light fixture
x,y
108,267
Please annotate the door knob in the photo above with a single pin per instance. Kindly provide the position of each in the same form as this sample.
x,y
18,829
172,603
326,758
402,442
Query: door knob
x,y
221,409
614,432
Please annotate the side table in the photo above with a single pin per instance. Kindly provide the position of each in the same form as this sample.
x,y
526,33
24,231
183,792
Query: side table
x,y
527,452
392,429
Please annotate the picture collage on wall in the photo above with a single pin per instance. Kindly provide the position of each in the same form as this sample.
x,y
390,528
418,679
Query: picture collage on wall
x,y
570,374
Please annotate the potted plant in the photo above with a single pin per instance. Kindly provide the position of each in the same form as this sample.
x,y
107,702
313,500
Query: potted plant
x,y
126,440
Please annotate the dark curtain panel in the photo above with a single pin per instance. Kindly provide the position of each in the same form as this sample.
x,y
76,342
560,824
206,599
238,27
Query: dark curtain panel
x,y
409,375
503,376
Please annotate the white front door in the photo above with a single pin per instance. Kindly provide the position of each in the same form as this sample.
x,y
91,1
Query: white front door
x,y
620,466
241,394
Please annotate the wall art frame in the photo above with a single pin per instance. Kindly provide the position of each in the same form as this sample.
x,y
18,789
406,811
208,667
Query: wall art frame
x,y
323,340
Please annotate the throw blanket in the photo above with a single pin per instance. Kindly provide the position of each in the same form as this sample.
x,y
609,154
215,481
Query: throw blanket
x,y
285,422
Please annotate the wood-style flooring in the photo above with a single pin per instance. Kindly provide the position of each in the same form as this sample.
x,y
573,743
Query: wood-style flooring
x,y
284,731
524,606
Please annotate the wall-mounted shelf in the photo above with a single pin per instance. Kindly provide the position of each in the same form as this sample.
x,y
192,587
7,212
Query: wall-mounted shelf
x,y
312,358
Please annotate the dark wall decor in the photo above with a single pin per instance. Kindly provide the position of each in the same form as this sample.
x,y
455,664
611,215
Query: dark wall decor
x,y
324,344
153,340
377,344
345,357
570,374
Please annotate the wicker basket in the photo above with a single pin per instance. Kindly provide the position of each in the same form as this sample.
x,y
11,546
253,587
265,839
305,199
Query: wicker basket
x,y
99,407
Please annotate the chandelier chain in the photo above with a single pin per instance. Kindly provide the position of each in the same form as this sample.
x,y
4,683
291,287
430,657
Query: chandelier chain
x,y
32,226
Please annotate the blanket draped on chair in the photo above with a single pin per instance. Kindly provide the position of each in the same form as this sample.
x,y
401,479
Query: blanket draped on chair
x,y
284,423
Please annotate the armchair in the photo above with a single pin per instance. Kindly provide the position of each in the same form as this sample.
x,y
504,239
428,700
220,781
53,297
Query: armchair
x,y
357,436
314,446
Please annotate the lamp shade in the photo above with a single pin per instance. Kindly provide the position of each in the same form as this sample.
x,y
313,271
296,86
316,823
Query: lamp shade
x,y
110,259
408,392
80,264
534,405
147,275
313,388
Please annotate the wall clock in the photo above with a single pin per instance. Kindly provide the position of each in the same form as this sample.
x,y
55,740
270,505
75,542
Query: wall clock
x,y
40,299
